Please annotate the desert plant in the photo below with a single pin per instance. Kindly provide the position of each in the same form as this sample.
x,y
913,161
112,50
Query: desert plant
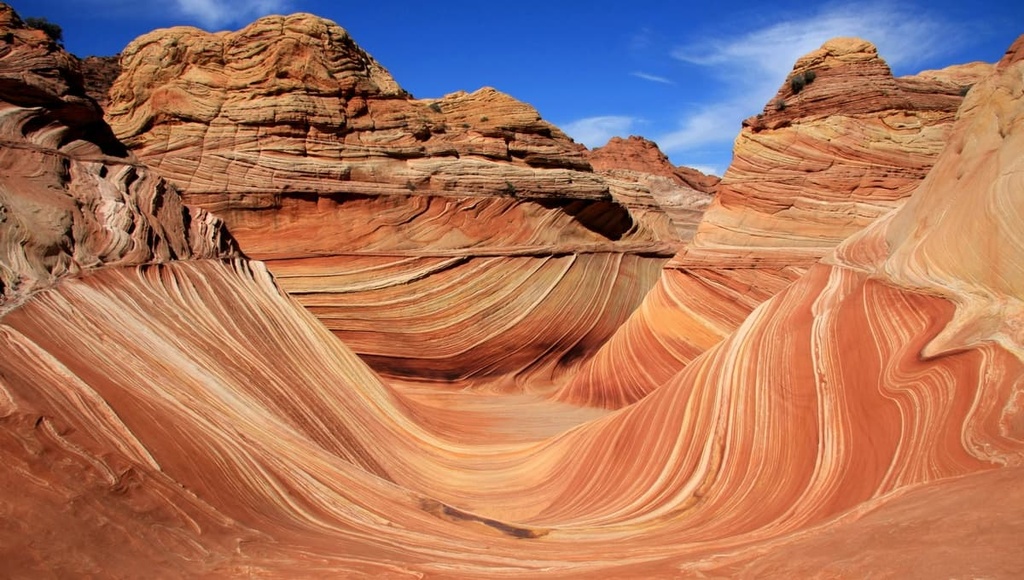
x,y
510,188
52,29
798,81
780,105
436,107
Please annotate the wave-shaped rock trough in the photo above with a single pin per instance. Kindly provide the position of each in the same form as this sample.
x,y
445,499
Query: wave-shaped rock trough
x,y
316,160
182,413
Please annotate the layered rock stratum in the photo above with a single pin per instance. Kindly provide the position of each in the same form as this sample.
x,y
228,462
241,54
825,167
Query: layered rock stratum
x,y
641,175
353,192
845,150
72,198
184,416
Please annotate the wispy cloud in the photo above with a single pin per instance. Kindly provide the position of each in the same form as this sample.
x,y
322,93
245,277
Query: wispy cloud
x,y
652,78
217,13
706,169
751,66
596,131
641,40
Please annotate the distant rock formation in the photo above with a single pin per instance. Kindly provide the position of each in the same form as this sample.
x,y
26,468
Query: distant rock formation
x,y
644,180
98,75
640,155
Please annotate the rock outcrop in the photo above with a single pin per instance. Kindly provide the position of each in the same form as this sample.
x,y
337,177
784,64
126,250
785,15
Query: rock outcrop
x,y
638,155
846,148
321,165
646,182
71,198
98,75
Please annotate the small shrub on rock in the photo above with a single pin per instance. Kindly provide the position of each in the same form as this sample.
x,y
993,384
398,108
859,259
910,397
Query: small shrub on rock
x,y
52,30
799,81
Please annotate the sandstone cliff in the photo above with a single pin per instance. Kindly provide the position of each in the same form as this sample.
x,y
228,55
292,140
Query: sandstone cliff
x,y
360,198
846,148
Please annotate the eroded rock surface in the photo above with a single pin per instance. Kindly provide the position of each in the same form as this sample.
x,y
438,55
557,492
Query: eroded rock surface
x,y
71,197
321,165
186,417
844,150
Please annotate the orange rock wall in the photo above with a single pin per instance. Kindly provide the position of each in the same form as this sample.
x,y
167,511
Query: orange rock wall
x,y
317,160
847,149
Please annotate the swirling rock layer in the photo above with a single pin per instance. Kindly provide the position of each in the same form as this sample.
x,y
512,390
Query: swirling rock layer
x,y
189,418
511,322
721,459
320,163
843,151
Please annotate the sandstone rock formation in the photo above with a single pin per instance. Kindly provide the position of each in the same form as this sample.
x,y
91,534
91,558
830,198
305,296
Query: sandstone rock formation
x,y
846,149
188,418
98,75
642,177
72,199
639,155
321,165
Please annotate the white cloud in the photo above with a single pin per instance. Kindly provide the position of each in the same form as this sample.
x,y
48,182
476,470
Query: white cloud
x,y
751,66
216,13
709,124
596,131
705,169
652,78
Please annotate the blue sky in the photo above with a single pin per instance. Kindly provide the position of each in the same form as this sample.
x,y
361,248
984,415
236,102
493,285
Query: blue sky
x,y
684,74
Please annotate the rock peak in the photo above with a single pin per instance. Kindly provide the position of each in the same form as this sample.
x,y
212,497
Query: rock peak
x,y
838,52
847,76
636,153
1013,54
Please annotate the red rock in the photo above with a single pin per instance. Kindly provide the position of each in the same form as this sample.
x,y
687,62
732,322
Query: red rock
x,y
643,156
847,149
321,164
182,415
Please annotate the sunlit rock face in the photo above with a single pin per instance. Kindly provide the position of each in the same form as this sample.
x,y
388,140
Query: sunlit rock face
x,y
825,158
185,417
321,165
